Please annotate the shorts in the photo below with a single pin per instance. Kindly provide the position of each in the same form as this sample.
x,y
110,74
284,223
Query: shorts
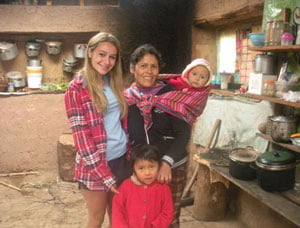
x,y
120,168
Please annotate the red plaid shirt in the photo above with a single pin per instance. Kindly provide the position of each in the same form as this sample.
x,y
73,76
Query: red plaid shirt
x,y
90,138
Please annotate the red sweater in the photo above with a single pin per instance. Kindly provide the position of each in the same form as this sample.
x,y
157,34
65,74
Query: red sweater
x,y
142,206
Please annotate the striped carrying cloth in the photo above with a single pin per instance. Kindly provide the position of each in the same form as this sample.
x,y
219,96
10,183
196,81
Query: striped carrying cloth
x,y
184,104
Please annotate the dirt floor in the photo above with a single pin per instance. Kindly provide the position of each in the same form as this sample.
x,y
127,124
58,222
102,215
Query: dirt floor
x,y
44,201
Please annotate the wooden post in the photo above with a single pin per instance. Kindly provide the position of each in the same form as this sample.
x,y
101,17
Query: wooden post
x,y
66,157
211,199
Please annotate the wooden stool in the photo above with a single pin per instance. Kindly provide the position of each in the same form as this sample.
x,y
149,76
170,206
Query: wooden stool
x,y
66,157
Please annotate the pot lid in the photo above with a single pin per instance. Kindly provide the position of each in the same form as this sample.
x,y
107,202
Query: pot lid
x,y
283,118
6,45
243,154
70,59
53,43
277,158
33,44
14,75
81,44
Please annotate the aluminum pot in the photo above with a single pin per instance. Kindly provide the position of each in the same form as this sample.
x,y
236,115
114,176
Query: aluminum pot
x,y
32,48
276,170
33,62
282,127
69,64
17,79
242,163
79,50
53,47
264,64
8,51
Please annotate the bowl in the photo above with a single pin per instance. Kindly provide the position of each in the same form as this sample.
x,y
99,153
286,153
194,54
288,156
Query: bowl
x,y
296,141
257,39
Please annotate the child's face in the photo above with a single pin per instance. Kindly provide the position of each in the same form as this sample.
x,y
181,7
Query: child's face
x,y
198,76
146,171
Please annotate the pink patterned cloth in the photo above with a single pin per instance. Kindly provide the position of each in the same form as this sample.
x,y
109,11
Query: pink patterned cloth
x,y
185,104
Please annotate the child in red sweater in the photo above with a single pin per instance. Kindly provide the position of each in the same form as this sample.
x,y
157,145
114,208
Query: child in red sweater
x,y
142,202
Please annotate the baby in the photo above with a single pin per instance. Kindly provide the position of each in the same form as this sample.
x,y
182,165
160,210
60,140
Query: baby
x,y
193,87
142,201
196,75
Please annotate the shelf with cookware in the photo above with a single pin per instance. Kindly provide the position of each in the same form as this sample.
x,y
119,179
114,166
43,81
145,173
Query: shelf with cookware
x,y
284,145
283,203
280,48
276,100
243,167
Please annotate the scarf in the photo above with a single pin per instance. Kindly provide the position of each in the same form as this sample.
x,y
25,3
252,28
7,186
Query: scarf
x,y
186,105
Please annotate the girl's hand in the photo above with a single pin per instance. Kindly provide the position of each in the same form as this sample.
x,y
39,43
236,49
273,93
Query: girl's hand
x,y
164,174
114,189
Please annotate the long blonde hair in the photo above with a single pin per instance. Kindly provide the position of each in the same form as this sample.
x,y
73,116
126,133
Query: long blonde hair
x,y
115,75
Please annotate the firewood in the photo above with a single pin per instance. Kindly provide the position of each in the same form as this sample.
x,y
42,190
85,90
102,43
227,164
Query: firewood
x,y
10,186
18,174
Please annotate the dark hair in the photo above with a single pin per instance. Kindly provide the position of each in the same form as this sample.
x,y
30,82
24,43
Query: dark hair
x,y
142,50
144,152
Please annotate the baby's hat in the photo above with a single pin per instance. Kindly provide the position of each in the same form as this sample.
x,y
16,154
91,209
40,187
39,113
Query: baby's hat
x,y
194,63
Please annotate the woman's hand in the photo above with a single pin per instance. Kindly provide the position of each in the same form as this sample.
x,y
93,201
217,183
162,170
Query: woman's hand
x,y
114,189
164,173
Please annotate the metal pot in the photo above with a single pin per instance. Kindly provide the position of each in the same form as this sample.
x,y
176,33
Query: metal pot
x,y
282,127
53,47
32,49
242,163
79,50
276,170
69,64
264,64
34,62
8,51
17,79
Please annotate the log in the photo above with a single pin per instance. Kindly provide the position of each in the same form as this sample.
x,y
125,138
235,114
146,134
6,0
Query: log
x,y
66,157
211,199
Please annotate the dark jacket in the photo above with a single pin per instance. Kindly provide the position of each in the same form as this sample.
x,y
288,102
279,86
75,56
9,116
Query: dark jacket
x,y
170,134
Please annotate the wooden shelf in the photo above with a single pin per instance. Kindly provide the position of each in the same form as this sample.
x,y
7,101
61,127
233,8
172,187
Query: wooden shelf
x,y
275,201
275,100
289,48
284,145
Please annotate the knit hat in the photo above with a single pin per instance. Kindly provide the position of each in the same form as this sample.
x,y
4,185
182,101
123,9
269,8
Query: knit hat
x,y
194,63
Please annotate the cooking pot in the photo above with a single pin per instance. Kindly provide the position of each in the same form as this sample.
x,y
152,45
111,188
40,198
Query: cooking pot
x,y
8,50
282,127
17,79
33,62
79,50
276,170
53,47
32,48
242,163
264,64
69,64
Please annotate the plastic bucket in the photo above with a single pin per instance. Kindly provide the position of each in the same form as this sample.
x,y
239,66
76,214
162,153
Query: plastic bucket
x,y
34,79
